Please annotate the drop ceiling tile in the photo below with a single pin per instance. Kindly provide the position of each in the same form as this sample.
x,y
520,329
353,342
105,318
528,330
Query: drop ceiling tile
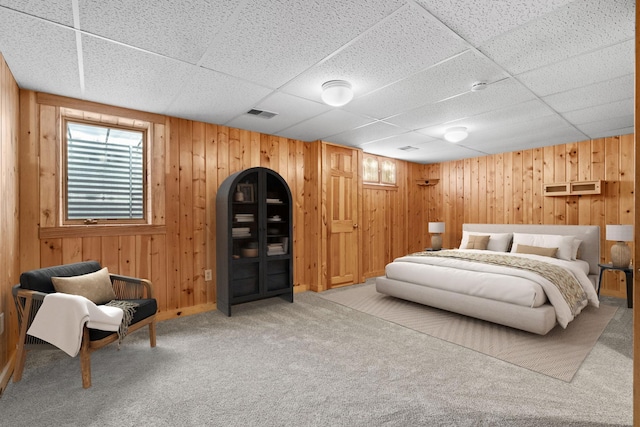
x,y
272,42
290,109
449,78
606,92
125,80
614,132
582,70
330,123
406,42
606,127
167,28
59,11
577,28
480,20
601,112
41,56
213,97
364,134
497,96
540,132
509,117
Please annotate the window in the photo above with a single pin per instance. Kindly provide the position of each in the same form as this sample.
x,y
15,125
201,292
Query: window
x,y
381,171
105,173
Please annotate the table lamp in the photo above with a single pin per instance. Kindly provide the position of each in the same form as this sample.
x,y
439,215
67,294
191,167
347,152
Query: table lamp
x,y
620,251
436,229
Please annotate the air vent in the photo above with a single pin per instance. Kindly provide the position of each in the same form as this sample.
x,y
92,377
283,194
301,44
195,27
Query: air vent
x,y
262,113
408,148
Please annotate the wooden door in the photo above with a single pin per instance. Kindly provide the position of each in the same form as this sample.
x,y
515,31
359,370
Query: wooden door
x,y
343,262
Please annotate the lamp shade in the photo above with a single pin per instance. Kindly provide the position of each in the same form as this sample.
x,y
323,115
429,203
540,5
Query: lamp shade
x,y
436,227
337,93
619,233
456,134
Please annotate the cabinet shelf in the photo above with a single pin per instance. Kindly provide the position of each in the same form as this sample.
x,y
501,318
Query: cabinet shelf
x,y
239,278
575,188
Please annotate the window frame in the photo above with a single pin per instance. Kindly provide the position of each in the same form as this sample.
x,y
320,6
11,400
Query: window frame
x,y
380,160
142,127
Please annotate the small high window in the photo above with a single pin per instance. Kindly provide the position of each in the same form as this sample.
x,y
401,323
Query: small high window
x,y
378,170
105,173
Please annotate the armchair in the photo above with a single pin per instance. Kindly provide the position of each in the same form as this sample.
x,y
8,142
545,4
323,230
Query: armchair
x,y
36,284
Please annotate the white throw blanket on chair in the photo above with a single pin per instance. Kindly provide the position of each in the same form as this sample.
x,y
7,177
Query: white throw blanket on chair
x,y
60,319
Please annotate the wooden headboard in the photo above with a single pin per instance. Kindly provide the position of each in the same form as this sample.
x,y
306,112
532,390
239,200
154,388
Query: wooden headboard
x,y
589,234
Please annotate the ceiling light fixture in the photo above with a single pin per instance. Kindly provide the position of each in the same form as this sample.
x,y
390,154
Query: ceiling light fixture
x,y
337,92
456,134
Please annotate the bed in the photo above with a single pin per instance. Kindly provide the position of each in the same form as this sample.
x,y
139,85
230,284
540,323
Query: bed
x,y
478,278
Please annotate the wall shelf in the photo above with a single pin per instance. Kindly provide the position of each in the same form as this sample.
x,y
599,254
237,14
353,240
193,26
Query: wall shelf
x,y
575,188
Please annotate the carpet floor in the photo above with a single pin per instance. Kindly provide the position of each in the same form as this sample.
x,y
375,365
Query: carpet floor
x,y
314,363
558,354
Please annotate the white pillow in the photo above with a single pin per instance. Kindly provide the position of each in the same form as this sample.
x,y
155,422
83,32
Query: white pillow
x,y
498,242
565,244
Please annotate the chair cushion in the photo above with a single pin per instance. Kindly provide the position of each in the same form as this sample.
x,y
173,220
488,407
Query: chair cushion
x,y
40,279
95,286
146,308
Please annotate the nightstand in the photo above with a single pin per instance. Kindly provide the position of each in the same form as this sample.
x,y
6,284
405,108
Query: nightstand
x,y
628,273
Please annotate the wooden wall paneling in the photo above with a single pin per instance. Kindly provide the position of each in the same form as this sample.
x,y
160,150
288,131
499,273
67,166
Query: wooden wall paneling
x,y
50,252
527,187
110,248
483,190
143,257
29,202
509,202
236,154
157,167
254,154
91,249
468,192
490,203
584,174
9,222
172,210
211,165
311,242
48,166
459,202
244,140
517,188
159,269
186,213
127,256
199,236
597,203
499,217
559,175
571,205
627,176
71,250
549,177
537,215
295,179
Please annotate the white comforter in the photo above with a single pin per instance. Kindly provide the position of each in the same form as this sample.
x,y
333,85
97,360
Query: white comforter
x,y
496,282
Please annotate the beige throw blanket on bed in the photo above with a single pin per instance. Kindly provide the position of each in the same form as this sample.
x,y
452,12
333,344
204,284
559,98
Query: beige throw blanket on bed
x,y
563,280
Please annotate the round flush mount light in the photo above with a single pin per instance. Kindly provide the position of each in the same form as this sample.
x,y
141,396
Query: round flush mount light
x,y
456,134
337,92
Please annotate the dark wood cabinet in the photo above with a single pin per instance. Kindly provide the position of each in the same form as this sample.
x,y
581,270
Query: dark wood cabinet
x,y
253,238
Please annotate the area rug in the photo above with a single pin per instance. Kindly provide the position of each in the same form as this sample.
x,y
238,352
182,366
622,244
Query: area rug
x,y
558,354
